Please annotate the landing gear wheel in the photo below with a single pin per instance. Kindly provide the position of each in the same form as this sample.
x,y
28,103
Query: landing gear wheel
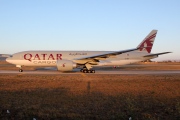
x,y
85,71
88,71
20,70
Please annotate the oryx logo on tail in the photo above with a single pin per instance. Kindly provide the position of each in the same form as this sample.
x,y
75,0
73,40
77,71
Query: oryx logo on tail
x,y
147,44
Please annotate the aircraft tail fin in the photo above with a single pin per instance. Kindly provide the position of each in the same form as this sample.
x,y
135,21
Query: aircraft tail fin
x,y
147,44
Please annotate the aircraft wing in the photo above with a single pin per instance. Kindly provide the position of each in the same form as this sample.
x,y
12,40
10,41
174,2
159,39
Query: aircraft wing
x,y
106,55
156,54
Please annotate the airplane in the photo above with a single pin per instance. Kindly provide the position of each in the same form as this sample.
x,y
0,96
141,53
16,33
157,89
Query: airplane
x,y
86,60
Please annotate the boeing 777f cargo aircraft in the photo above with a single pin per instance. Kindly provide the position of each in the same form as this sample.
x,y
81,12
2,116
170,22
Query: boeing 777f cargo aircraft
x,y
86,60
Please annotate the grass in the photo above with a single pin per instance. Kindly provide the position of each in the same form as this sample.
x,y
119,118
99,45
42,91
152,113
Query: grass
x,y
91,96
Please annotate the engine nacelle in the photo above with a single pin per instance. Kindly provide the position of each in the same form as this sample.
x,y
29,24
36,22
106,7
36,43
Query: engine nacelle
x,y
65,65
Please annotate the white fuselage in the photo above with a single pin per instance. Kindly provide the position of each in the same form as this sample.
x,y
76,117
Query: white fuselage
x,y
49,58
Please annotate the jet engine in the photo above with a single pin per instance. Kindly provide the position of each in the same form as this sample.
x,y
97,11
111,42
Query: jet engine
x,y
65,65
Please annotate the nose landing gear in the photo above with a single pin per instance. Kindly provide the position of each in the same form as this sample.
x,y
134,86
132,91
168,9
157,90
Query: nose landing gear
x,y
20,68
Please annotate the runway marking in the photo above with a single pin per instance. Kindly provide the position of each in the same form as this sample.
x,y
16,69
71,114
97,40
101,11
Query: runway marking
x,y
98,72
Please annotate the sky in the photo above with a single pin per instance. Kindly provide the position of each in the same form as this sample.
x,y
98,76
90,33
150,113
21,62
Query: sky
x,y
108,25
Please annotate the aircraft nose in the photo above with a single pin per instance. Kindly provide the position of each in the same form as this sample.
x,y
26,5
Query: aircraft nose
x,y
8,60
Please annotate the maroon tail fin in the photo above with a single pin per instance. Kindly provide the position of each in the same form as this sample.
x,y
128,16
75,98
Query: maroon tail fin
x,y
147,44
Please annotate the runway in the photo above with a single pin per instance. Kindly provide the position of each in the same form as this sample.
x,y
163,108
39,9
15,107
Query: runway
x,y
129,72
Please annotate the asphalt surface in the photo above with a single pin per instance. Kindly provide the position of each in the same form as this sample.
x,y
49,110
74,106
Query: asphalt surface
x,y
97,72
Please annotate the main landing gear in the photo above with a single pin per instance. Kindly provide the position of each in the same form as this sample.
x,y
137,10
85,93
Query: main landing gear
x,y
20,70
87,71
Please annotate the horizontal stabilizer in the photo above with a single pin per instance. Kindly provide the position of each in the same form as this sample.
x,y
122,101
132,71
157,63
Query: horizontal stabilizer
x,y
151,55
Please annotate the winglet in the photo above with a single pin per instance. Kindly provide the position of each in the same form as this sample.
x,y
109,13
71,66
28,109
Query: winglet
x,y
147,44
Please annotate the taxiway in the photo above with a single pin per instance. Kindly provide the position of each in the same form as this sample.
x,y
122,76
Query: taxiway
x,y
97,72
